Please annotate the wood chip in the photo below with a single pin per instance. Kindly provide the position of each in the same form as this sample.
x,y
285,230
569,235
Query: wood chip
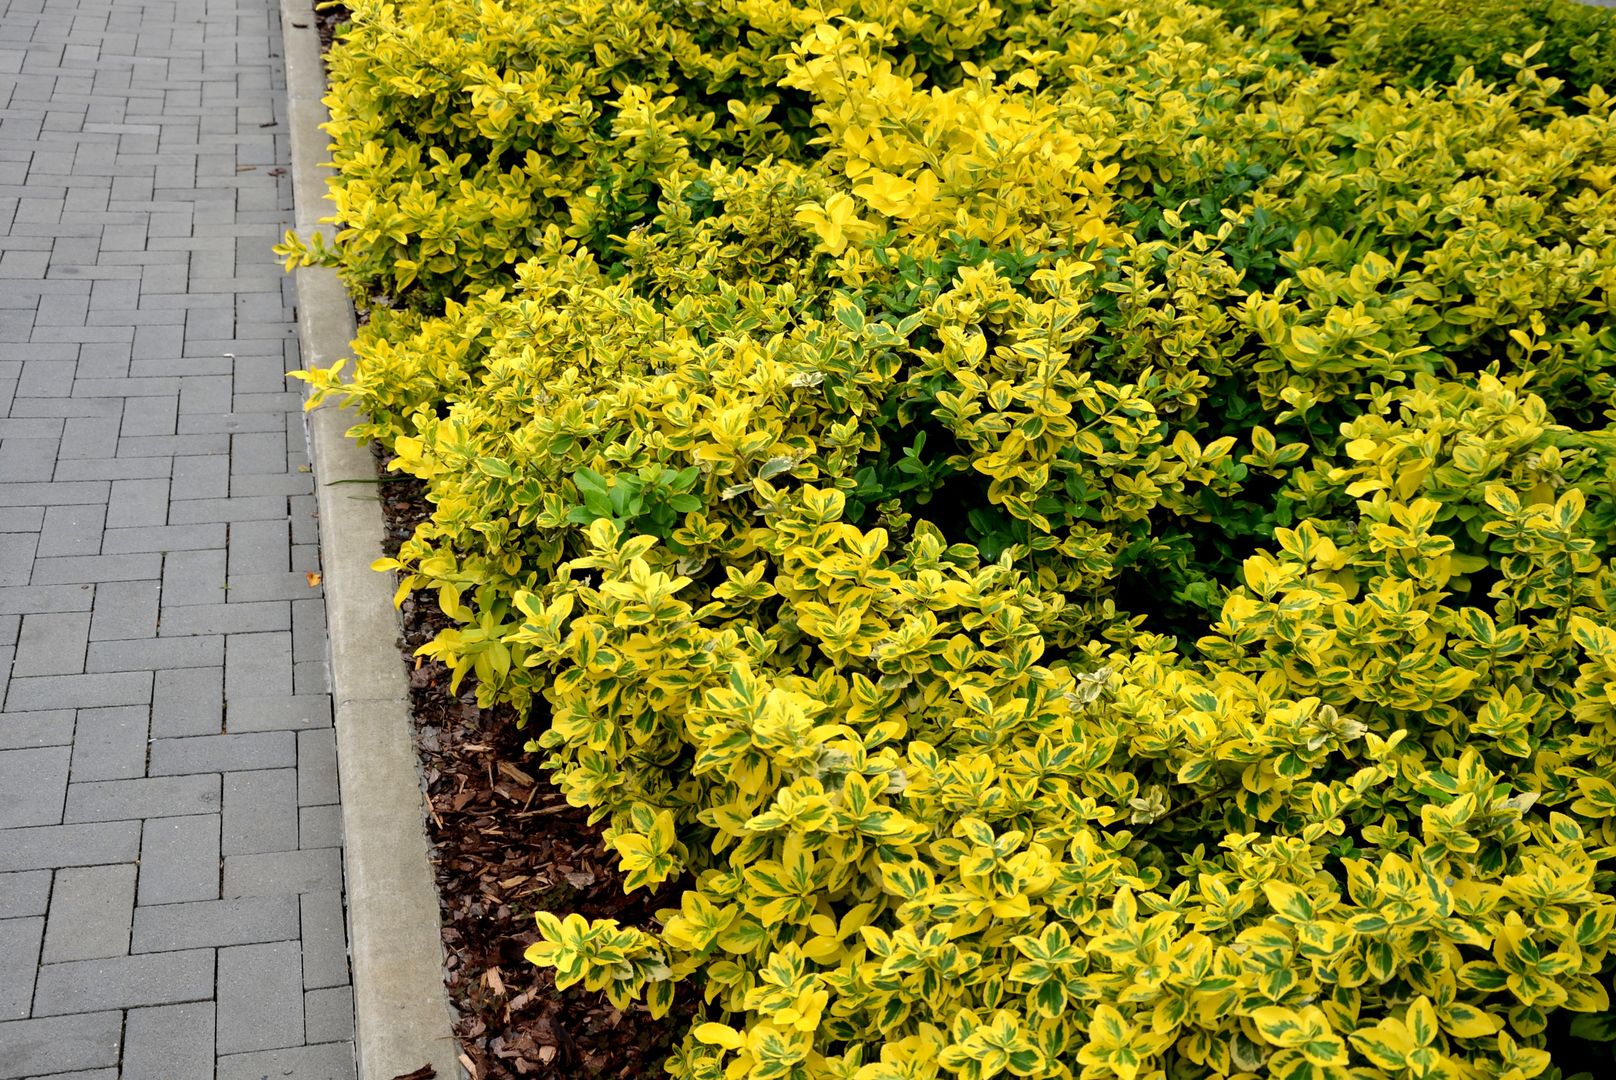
x,y
516,774
425,1072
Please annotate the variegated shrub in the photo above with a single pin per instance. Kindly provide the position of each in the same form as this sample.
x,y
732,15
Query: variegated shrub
x,y
1077,532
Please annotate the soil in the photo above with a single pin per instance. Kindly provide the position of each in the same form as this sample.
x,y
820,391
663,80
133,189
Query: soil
x,y
329,15
506,844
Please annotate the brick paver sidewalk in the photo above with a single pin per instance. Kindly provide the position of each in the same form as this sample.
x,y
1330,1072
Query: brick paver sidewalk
x,y
170,869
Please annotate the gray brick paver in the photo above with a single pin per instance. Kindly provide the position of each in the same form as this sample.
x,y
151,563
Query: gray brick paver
x,y
110,744
325,1061
108,468
259,547
194,576
299,712
162,538
19,952
124,610
137,502
199,477
222,618
52,644
277,873
152,797
260,812
169,1042
69,845
91,909
35,783
170,861
28,459
17,555
124,982
289,585
226,754
153,417
328,1015
325,940
155,654
319,826
258,665
81,569
71,530
27,893
316,767
86,439
53,493
260,997
51,1045
201,924
287,484
179,859
187,702
79,691
231,509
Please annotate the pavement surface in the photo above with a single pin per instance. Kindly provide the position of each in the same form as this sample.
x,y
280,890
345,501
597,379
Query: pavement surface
x,y
171,901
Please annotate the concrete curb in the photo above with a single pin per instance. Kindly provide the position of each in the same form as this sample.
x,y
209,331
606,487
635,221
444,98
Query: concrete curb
x,y
401,1009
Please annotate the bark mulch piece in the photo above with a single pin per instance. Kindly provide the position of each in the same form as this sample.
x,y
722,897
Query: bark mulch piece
x,y
505,845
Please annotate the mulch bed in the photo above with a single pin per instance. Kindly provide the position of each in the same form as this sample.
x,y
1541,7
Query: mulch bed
x,y
505,845
327,17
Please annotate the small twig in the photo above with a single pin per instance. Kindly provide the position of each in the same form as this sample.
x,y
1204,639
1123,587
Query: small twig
x,y
558,808
1180,808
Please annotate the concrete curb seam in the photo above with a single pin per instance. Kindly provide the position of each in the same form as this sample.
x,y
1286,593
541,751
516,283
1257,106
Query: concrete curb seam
x,y
401,1009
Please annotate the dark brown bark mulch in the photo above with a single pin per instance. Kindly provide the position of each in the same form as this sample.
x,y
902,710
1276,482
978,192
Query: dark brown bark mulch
x,y
328,16
505,845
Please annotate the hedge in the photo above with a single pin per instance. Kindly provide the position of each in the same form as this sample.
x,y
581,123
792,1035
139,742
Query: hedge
x,y
1076,532
1419,42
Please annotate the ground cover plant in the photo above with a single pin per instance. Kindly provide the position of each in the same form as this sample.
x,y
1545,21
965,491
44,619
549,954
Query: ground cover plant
x,y
1073,536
